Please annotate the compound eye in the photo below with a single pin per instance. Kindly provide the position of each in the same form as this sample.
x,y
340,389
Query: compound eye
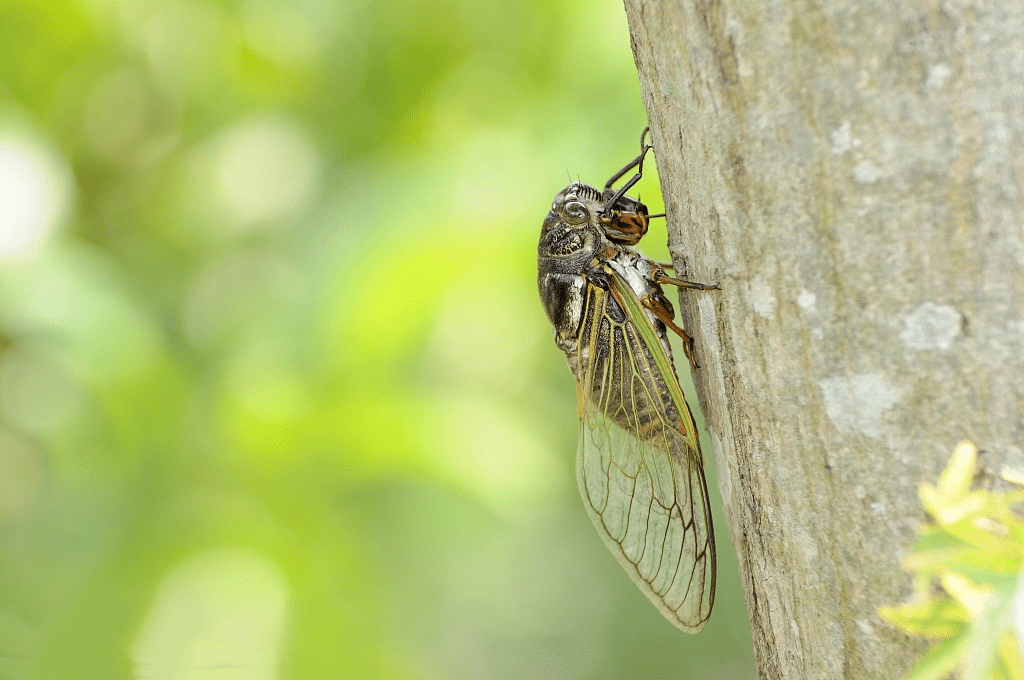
x,y
576,212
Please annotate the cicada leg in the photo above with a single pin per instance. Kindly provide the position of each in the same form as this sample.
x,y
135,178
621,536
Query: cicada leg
x,y
639,160
637,163
662,277
663,309
667,317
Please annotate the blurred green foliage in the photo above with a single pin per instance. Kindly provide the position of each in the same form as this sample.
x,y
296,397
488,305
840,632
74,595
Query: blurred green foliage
x,y
974,553
277,397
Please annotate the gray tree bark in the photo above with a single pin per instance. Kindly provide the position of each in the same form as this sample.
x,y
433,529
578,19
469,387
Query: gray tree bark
x,y
851,173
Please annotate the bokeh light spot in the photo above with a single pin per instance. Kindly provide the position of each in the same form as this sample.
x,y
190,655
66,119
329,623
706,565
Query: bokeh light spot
x,y
34,194
290,34
265,172
469,347
75,297
220,613
497,456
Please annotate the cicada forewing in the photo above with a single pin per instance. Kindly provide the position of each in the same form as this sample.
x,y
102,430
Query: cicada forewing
x,y
639,465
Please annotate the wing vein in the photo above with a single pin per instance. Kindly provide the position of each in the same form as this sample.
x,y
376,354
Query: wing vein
x,y
641,440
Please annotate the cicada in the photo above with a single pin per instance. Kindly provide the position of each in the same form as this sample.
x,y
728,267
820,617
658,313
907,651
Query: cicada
x,y
639,465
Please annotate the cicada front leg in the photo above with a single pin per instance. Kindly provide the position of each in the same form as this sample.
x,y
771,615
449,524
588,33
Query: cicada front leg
x,y
637,163
662,308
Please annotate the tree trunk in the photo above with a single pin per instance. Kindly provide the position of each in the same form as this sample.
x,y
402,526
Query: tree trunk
x,y
850,172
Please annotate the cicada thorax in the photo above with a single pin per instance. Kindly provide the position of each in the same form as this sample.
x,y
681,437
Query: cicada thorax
x,y
585,241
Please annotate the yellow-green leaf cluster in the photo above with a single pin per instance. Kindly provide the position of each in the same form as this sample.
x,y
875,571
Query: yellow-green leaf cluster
x,y
967,569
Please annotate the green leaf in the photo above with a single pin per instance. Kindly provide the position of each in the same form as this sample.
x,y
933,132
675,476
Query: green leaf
x,y
1011,662
940,660
975,551
981,651
955,480
935,618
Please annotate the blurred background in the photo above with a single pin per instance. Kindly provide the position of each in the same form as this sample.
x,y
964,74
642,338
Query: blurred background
x,y
277,396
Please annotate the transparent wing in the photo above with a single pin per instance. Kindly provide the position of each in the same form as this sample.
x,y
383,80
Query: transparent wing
x,y
639,465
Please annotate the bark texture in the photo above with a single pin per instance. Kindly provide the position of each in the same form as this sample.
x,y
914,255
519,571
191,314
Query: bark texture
x,y
851,173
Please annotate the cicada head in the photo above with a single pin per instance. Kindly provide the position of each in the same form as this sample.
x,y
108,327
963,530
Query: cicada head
x,y
570,240
578,203
572,229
